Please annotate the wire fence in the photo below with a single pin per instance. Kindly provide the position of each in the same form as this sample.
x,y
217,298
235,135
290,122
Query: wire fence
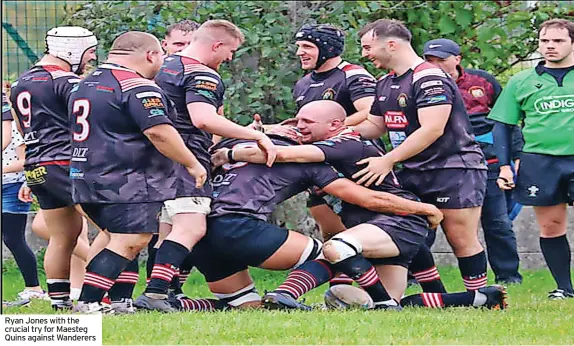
x,y
24,26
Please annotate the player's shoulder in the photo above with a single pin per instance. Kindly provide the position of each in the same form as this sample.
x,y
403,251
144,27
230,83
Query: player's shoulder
x,y
351,70
426,70
192,67
524,76
130,80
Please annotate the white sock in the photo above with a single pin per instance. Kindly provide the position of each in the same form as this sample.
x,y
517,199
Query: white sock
x,y
75,293
479,299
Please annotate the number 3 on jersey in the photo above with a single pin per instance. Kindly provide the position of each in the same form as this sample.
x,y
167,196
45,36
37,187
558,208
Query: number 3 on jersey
x,y
81,110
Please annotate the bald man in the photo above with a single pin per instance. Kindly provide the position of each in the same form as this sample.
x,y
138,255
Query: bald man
x,y
387,241
122,165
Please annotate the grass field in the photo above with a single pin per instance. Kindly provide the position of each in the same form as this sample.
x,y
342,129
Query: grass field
x,y
530,319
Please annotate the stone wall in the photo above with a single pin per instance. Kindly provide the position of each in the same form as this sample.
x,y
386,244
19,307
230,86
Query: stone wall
x,y
293,216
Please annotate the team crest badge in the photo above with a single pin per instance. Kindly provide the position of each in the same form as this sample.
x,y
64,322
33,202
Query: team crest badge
x,y
328,94
476,91
402,99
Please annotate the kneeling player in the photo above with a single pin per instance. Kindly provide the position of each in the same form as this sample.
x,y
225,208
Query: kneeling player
x,y
239,235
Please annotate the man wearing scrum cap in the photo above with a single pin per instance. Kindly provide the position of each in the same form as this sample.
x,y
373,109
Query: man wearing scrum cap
x,y
40,100
479,91
319,48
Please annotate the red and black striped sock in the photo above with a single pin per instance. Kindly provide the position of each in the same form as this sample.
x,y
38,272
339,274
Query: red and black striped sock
x,y
341,279
473,271
364,274
101,273
168,258
443,300
424,270
126,282
309,275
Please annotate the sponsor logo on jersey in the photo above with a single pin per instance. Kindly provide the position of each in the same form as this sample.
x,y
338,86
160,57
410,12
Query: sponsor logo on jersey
x,y
554,104
328,94
396,120
207,85
431,83
316,85
436,99
152,102
76,173
382,98
300,98
206,93
442,199
402,100
154,112
476,91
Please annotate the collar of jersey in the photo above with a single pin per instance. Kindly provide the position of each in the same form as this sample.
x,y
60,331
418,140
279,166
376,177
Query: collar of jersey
x,y
113,66
540,68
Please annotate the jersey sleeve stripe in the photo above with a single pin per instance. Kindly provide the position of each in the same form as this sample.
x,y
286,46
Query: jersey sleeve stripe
x,y
434,72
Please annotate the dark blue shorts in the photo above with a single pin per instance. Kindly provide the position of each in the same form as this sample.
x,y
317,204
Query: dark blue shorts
x,y
450,188
544,180
235,242
10,202
51,184
125,218
407,232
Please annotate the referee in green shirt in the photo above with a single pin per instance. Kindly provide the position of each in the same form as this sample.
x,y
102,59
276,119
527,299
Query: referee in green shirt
x,y
543,98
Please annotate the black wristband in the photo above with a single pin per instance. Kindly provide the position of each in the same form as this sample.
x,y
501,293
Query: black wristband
x,y
230,156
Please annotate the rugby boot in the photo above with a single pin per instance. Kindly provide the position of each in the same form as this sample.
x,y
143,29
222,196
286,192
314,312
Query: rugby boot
x,y
154,304
495,297
279,301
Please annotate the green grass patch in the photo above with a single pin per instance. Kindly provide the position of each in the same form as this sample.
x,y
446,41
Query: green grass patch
x,y
530,319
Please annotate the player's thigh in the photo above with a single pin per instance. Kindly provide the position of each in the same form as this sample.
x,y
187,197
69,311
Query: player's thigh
x,y
39,226
289,254
394,279
552,220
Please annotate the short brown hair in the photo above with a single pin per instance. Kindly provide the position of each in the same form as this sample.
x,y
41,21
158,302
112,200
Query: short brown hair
x,y
387,28
220,26
186,26
135,41
558,23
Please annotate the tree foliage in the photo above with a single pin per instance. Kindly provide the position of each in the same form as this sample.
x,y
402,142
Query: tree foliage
x,y
494,35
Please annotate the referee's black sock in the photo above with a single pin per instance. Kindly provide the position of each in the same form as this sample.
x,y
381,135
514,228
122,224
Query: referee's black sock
x,y
557,254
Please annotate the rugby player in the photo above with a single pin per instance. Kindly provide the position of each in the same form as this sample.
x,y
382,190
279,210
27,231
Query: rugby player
x,y
479,90
40,98
191,81
319,48
388,241
178,36
239,234
422,110
543,100
122,169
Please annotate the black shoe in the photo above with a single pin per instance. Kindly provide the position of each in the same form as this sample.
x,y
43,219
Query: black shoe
x,y
16,303
64,306
495,297
280,301
560,294
510,281
153,304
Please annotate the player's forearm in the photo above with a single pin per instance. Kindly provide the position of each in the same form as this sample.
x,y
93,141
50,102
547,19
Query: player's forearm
x,y
167,141
368,129
357,118
384,202
418,141
251,155
218,125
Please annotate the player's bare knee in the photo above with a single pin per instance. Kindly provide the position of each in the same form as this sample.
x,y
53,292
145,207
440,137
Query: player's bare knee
x,y
341,247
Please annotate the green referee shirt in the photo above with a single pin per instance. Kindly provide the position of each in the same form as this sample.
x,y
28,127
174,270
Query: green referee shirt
x,y
546,106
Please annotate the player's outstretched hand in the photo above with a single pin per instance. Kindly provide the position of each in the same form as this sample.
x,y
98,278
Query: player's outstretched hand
x,y
219,157
199,173
269,148
376,170
25,194
505,178
435,217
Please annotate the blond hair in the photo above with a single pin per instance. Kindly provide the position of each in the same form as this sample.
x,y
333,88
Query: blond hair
x,y
216,28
